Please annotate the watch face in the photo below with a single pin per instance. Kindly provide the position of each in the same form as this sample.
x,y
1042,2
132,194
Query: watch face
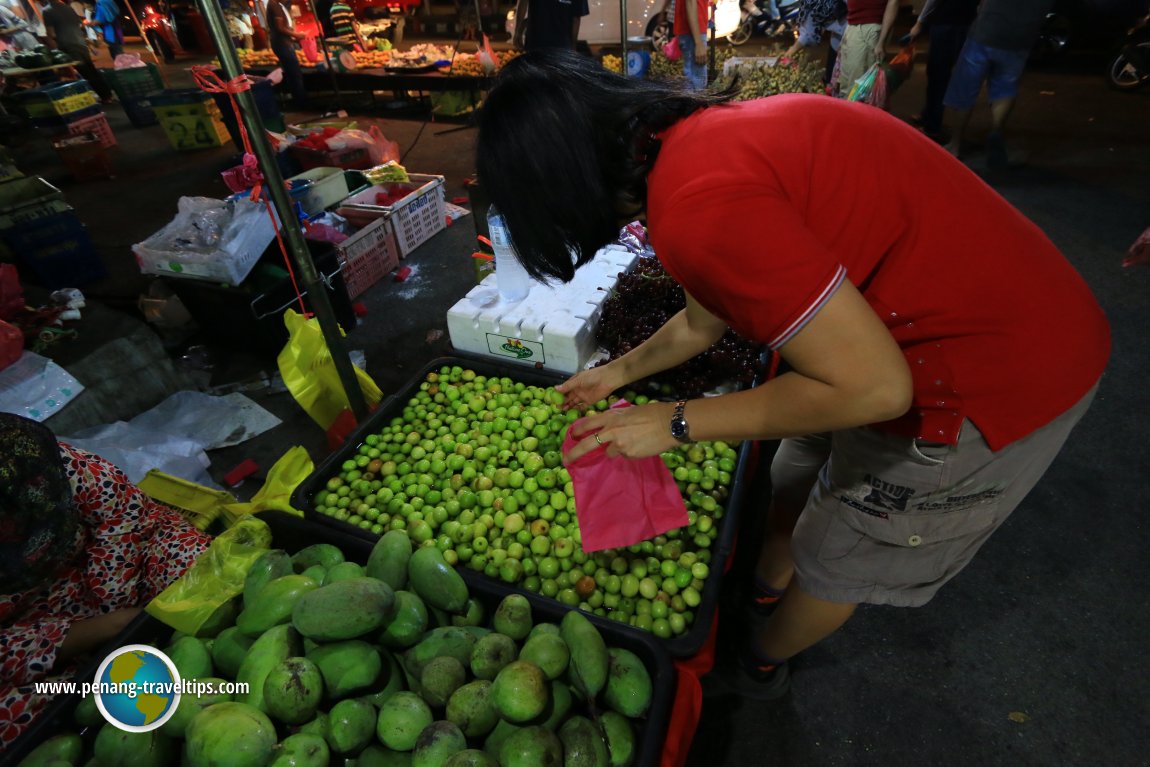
x,y
678,428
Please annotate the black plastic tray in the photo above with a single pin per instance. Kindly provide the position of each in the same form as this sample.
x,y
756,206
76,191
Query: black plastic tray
x,y
684,645
292,534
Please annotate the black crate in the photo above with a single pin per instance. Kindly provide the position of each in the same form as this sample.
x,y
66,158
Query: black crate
x,y
56,251
292,534
684,645
249,316
140,112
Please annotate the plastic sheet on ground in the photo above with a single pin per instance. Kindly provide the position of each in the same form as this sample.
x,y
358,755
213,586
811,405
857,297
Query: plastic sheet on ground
x,y
36,387
174,435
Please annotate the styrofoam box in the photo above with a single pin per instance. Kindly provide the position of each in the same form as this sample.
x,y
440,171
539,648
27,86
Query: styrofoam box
x,y
554,326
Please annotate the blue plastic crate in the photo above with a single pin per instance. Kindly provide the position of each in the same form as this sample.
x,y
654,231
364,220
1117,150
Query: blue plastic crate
x,y
57,251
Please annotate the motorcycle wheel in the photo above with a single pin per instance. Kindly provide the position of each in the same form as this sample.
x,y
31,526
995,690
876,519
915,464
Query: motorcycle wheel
x,y
1123,75
742,32
160,46
660,31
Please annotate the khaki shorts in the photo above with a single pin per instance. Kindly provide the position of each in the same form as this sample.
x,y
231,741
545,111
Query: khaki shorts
x,y
888,519
856,54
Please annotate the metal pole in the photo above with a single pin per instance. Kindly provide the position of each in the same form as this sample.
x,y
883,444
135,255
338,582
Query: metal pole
x,y
281,202
623,31
711,42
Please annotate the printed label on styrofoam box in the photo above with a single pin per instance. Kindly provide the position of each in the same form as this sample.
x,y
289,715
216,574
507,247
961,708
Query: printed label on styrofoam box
x,y
515,348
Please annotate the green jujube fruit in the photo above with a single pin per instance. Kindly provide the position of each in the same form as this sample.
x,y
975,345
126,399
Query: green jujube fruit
x,y
293,690
436,582
389,559
343,610
274,604
301,750
232,734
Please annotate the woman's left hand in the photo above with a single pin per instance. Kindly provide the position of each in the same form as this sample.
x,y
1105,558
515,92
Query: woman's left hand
x,y
631,432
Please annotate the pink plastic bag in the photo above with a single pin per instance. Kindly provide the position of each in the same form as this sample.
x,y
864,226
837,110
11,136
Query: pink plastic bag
x,y
622,501
672,50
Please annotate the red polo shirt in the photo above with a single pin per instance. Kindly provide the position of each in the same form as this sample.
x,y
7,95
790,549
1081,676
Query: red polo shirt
x,y
865,11
761,209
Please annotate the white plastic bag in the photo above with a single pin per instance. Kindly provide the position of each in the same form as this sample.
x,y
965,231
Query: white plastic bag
x,y
36,387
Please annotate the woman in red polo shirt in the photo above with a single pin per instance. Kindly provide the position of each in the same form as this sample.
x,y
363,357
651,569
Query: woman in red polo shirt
x,y
938,347
864,41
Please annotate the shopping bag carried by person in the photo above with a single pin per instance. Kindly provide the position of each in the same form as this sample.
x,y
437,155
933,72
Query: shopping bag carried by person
x,y
622,501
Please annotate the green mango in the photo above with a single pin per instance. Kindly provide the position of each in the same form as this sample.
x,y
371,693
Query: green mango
x,y
376,755
342,572
583,744
323,554
343,610
389,559
549,652
274,646
390,680
232,734
274,604
87,713
351,725
347,667
436,582
191,657
301,750
407,624
491,653
440,678
229,649
513,617
620,738
317,726
133,749
520,692
436,744
629,686
474,614
533,746
401,720
589,665
192,704
317,573
558,706
504,729
221,618
471,757
470,708
455,641
66,747
273,564
292,691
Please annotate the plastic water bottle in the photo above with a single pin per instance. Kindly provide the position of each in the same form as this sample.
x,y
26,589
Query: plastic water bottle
x,y
510,277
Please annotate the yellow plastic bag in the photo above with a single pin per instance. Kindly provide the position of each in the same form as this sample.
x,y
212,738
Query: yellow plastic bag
x,y
208,586
283,478
309,372
198,504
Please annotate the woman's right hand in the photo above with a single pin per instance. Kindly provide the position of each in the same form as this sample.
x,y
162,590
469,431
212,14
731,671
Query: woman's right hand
x,y
586,387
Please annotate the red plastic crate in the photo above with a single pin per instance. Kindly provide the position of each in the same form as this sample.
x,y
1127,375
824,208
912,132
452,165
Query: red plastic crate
x,y
98,126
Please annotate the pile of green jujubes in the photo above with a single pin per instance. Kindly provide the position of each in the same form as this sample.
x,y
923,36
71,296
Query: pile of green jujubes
x,y
473,464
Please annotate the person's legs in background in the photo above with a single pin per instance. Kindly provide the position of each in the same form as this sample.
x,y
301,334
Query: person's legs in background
x,y
696,74
1001,90
293,75
946,41
89,72
856,54
961,94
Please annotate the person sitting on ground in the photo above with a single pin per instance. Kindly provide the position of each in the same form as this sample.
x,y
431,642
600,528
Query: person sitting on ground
x,y
64,29
995,51
82,549
864,40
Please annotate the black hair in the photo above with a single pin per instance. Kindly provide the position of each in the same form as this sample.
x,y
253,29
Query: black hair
x,y
564,150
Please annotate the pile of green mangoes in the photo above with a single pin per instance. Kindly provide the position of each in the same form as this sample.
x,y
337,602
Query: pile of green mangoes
x,y
393,663
473,464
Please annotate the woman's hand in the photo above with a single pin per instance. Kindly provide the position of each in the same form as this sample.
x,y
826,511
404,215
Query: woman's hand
x,y
586,387
88,634
631,432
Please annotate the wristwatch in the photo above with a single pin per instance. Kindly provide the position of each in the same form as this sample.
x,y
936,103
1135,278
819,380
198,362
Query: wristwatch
x,y
680,430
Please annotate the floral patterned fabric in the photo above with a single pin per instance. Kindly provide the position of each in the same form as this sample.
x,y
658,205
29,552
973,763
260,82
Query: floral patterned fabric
x,y
133,548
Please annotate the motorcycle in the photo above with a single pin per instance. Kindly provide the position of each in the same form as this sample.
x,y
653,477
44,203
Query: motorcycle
x,y
756,19
1130,68
160,33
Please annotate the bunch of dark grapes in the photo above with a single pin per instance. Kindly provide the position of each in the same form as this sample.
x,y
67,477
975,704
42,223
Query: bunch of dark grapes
x,y
642,301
